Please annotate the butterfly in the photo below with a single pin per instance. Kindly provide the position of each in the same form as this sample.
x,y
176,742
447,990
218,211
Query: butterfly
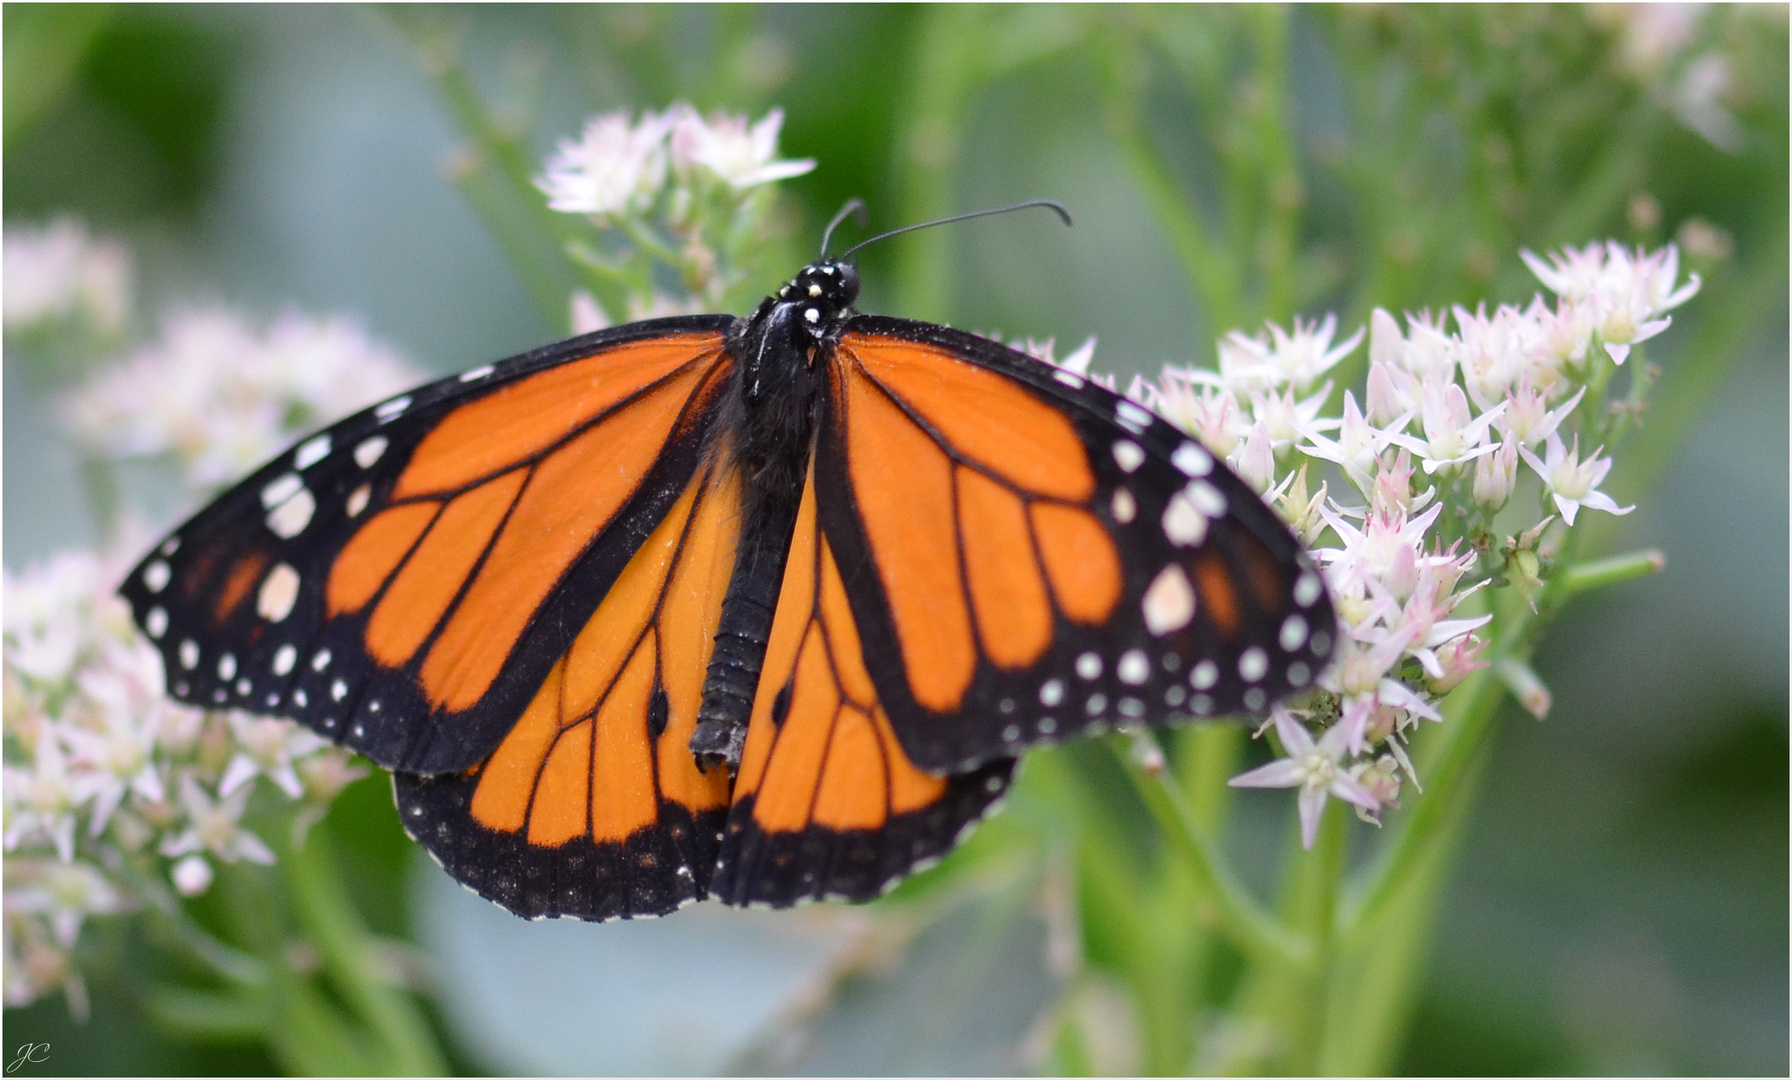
x,y
759,609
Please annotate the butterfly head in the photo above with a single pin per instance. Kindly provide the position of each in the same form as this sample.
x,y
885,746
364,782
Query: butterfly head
x,y
823,293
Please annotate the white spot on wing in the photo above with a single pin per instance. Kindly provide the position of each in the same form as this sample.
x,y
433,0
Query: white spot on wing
x,y
369,451
1193,460
311,451
284,658
338,690
1068,378
1132,416
1206,498
1294,633
1128,455
156,622
279,591
476,374
156,575
1088,665
281,489
387,410
320,660
1125,507
1134,667
1253,664
1184,524
1051,693
1306,589
290,517
357,500
227,666
189,654
1206,673
1169,601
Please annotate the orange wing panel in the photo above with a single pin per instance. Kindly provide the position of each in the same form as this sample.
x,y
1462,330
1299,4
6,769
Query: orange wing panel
x,y
519,421
902,481
371,555
1081,559
986,417
572,494
1014,613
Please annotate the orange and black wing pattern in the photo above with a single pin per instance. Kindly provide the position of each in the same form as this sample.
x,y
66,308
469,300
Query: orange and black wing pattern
x,y
593,806
1029,556
406,581
828,804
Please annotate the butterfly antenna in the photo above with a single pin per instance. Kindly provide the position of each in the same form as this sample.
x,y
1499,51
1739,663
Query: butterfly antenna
x,y
1054,206
855,208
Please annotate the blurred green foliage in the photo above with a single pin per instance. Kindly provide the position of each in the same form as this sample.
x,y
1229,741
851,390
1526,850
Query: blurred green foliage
x,y
1621,897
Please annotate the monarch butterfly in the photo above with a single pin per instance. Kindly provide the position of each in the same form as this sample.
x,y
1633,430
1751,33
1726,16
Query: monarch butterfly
x,y
762,609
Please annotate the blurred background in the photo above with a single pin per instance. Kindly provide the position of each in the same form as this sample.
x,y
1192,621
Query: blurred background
x,y
1620,905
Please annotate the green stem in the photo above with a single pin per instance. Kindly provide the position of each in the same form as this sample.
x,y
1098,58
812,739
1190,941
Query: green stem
x,y
1602,573
1240,917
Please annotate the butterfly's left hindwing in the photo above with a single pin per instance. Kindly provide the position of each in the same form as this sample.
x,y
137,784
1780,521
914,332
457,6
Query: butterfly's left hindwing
x,y
403,581
1035,557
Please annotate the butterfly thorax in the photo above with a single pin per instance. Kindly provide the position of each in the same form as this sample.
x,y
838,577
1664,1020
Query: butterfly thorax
x,y
769,425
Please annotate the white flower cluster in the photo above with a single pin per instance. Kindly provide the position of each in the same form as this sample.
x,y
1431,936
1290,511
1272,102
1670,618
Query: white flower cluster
x,y
221,395
109,785
619,168
58,271
1430,456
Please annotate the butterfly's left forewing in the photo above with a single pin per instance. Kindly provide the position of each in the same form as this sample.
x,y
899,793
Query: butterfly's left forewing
x,y
403,582
1030,556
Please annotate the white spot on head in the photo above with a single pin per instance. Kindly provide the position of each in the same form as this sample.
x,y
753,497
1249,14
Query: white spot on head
x,y
1294,632
1068,378
1128,455
1255,699
476,374
1206,673
1097,704
290,517
814,289
1132,416
357,500
1192,459
284,658
1298,674
1183,524
1088,665
1306,588
279,591
156,622
1206,498
320,660
156,575
1134,667
189,654
1169,601
1051,693
227,666
280,489
369,451
386,410
1253,664
811,315
311,451
1125,507
338,690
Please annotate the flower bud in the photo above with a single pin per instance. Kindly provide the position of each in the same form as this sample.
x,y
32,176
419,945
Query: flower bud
x,y
1496,474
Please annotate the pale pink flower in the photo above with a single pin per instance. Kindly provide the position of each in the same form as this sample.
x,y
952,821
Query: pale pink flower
x,y
615,167
744,156
1572,482
1317,769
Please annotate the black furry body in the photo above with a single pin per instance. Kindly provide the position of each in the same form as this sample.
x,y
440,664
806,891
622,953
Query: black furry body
x,y
771,412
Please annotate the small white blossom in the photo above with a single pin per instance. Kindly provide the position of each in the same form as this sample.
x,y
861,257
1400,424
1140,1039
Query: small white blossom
x,y
268,747
215,827
1571,481
615,167
64,893
191,875
1317,769
744,156
54,271
1496,474
1297,358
